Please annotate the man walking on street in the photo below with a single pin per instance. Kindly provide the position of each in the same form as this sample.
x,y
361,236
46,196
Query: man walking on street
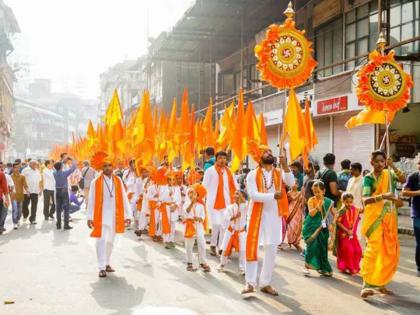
x,y
49,189
18,194
412,189
33,179
109,212
62,193
88,175
221,186
4,200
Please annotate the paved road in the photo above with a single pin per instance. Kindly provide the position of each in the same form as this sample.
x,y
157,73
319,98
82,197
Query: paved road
x,y
45,271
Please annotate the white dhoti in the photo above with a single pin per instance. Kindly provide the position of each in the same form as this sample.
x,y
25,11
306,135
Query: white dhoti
x,y
266,275
201,244
242,248
104,247
218,227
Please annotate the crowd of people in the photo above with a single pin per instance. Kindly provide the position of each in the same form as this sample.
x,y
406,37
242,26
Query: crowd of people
x,y
275,205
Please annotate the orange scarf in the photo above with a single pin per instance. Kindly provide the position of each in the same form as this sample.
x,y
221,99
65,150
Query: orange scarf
x,y
99,202
152,206
255,219
233,242
190,230
220,202
166,224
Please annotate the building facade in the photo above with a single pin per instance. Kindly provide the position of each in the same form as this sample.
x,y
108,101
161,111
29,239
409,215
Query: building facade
x,y
8,27
343,32
128,78
44,119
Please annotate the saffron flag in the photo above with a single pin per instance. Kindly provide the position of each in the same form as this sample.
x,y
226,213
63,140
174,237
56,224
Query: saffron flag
x,y
368,116
294,127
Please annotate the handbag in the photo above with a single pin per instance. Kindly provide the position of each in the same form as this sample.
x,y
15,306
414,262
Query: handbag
x,y
82,180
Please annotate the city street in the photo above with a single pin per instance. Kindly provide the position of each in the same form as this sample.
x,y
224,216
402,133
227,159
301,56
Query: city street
x,y
54,272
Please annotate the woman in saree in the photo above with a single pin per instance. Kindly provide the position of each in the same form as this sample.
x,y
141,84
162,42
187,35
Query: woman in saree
x,y
315,231
348,249
295,218
380,259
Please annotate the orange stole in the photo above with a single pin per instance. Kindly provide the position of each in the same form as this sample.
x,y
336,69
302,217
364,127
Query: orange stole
x,y
220,202
166,224
99,202
189,228
152,206
139,204
255,219
233,242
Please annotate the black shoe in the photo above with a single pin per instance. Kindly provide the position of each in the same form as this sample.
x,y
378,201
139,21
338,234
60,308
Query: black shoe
x,y
3,229
68,227
47,218
33,222
58,226
51,217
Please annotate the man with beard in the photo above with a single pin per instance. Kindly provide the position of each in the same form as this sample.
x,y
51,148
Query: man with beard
x,y
266,189
221,186
109,211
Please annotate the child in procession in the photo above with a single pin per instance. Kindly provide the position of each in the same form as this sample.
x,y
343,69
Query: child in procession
x,y
348,249
235,235
194,217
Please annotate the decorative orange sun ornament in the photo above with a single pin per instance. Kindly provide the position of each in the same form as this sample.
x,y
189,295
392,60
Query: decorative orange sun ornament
x,y
383,85
285,55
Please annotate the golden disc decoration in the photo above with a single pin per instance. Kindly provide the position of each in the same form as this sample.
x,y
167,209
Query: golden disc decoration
x,y
383,84
285,55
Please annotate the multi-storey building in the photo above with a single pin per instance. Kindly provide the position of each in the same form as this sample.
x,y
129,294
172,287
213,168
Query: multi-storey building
x,y
8,27
129,78
225,33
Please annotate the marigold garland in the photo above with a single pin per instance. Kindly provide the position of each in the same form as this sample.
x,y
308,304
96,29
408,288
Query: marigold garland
x,y
383,85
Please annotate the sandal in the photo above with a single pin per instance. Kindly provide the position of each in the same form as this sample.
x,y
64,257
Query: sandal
x,y
384,290
268,289
365,293
205,267
102,274
248,289
190,267
109,269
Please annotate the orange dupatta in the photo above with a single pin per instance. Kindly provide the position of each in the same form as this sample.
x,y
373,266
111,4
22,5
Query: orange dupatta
x,y
152,207
220,202
166,225
99,202
255,219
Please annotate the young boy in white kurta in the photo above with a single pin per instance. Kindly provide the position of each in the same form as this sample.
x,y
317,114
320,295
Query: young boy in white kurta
x,y
235,235
193,217
170,199
104,215
152,196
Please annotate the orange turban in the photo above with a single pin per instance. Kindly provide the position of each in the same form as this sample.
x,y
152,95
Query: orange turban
x,y
200,190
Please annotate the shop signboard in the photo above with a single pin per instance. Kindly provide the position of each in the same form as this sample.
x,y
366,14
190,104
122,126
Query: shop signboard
x,y
332,105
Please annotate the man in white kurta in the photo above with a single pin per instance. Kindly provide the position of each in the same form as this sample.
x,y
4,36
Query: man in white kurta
x,y
141,214
105,243
270,229
130,181
215,208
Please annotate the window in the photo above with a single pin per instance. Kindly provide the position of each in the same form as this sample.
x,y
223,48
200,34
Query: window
x,y
404,24
329,46
361,32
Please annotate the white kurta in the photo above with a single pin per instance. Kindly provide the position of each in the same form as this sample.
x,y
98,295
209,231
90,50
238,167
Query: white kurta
x,y
171,194
211,183
129,178
271,224
108,209
196,211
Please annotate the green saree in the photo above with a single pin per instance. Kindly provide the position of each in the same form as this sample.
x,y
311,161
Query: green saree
x,y
316,238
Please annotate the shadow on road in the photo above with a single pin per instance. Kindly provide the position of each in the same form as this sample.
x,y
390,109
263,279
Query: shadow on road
x,y
115,294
